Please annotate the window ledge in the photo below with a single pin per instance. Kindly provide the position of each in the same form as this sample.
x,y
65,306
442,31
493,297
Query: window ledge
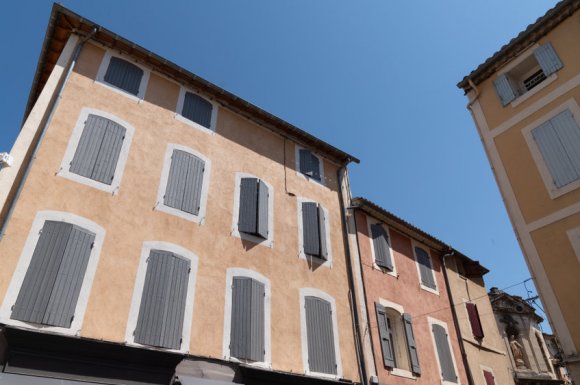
x,y
384,270
403,373
255,364
519,100
191,123
252,238
430,290
160,206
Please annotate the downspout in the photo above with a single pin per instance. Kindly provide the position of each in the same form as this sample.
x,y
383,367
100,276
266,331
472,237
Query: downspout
x,y
351,283
55,101
456,320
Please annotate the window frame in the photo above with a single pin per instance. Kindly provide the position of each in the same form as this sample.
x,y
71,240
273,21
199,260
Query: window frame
x,y
553,191
164,178
73,143
428,251
431,321
268,242
179,109
24,262
320,162
372,221
100,79
138,293
301,255
489,370
241,272
313,292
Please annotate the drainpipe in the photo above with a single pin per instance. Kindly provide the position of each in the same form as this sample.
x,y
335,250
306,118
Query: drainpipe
x,y
52,108
470,381
351,283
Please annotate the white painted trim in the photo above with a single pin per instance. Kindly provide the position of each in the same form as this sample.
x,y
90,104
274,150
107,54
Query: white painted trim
x,y
24,262
371,221
103,70
140,283
64,170
320,162
554,192
428,250
241,272
490,370
574,237
268,242
395,306
554,217
160,205
401,310
179,108
431,321
561,90
312,292
301,254
522,98
403,373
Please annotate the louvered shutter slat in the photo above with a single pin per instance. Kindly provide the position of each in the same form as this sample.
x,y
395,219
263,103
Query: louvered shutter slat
x,y
384,335
176,181
197,109
548,59
87,150
108,156
505,89
247,323
310,228
381,246
320,336
263,210
124,75
322,233
444,353
305,162
248,215
257,325
411,345
425,268
193,185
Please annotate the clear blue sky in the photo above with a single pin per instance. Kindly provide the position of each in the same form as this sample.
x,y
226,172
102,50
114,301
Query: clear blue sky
x,y
374,78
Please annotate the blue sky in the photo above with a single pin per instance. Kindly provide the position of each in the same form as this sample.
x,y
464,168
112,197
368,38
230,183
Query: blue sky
x,y
374,78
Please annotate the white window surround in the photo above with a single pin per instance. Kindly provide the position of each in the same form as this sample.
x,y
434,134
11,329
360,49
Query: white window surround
x,y
103,70
73,143
160,205
241,272
268,242
553,191
312,292
138,292
24,262
321,163
399,309
487,369
181,118
432,321
574,237
301,254
372,221
428,250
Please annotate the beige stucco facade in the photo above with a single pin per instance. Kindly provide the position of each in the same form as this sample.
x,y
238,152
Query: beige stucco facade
x,y
544,217
130,216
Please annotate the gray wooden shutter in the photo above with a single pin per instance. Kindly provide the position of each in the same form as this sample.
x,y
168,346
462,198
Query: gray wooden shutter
x,y
52,283
98,150
558,140
310,228
322,233
248,215
548,59
381,246
505,89
425,268
444,353
263,195
320,336
247,323
185,182
411,345
197,109
385,336
162,308
309,164
124,75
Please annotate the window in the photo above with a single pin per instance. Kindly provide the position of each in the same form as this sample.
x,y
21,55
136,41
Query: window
x,y
124,75
184,183
195,110
443,349
314,231
425,269
309,164
97,151
474,320
488,377
381,247
253,210
397,340
320,346
527,73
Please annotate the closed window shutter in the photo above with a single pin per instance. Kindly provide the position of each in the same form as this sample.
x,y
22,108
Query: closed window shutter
x,y
504,89
185,182
162,308
320,336
263,196
489,379
247,217
411,345
381,246
425,268
548,59
311,229
385,336
197,109
474,320
444,353
98,150
309,164
127,76
558,140
322,233
52,283
247,323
